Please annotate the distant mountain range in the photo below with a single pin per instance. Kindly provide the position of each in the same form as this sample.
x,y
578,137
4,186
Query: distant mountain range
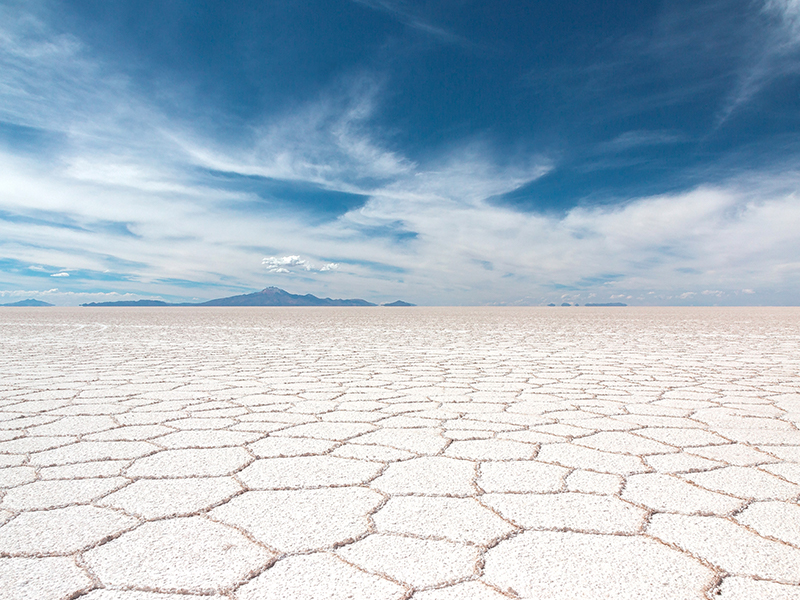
x,y
606,304
271,296
593,304
28,302
135,303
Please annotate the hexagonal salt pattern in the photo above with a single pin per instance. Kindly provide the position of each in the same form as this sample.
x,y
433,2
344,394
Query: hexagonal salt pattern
x,y
555,565
430,454
115,594
469,590
158,498
301,520
61,531
317,576
454,519
308,472
188,554
416,562
742,588
41,579
730,547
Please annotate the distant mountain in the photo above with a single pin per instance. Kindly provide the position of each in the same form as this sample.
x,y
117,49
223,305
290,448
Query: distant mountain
x,y
398,303
28,302
271,296
607,304
132,303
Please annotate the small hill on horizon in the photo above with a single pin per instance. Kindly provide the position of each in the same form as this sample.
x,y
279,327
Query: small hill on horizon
x,y
133,303
398,303
28,302
271,296
606,304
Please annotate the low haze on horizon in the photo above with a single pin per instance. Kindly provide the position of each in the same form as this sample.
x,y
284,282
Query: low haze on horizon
x,y
444,152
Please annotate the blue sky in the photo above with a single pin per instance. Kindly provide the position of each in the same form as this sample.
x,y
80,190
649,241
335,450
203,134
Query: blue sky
x,y
447,152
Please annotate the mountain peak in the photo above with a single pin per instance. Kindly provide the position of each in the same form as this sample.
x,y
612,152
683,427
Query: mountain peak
x,y
275,296
28,302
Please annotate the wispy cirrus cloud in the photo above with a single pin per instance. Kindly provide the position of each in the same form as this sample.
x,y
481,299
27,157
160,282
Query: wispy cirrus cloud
x,y
327,141
401,11
788,11
775,54
637,138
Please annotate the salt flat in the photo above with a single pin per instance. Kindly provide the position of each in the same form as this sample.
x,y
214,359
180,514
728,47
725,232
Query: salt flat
x,y
433,454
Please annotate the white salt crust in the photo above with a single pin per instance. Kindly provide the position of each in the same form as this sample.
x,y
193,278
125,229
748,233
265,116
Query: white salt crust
x,y
425,454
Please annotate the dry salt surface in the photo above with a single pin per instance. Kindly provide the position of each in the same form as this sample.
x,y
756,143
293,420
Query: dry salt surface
x,y
433,454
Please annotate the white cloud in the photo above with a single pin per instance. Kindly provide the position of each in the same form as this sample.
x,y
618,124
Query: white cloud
x,y
686,295
62,274
17,293
283,264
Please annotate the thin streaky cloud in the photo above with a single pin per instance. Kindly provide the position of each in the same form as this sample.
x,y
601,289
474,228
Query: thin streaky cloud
x,y
402,13
776,54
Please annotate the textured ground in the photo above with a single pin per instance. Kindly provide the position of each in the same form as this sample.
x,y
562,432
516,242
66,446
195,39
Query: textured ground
x,y
433,454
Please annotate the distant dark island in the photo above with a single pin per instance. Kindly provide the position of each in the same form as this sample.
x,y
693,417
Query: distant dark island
x,y
398,303
134,303
592,304
607,304
271,296
28,302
